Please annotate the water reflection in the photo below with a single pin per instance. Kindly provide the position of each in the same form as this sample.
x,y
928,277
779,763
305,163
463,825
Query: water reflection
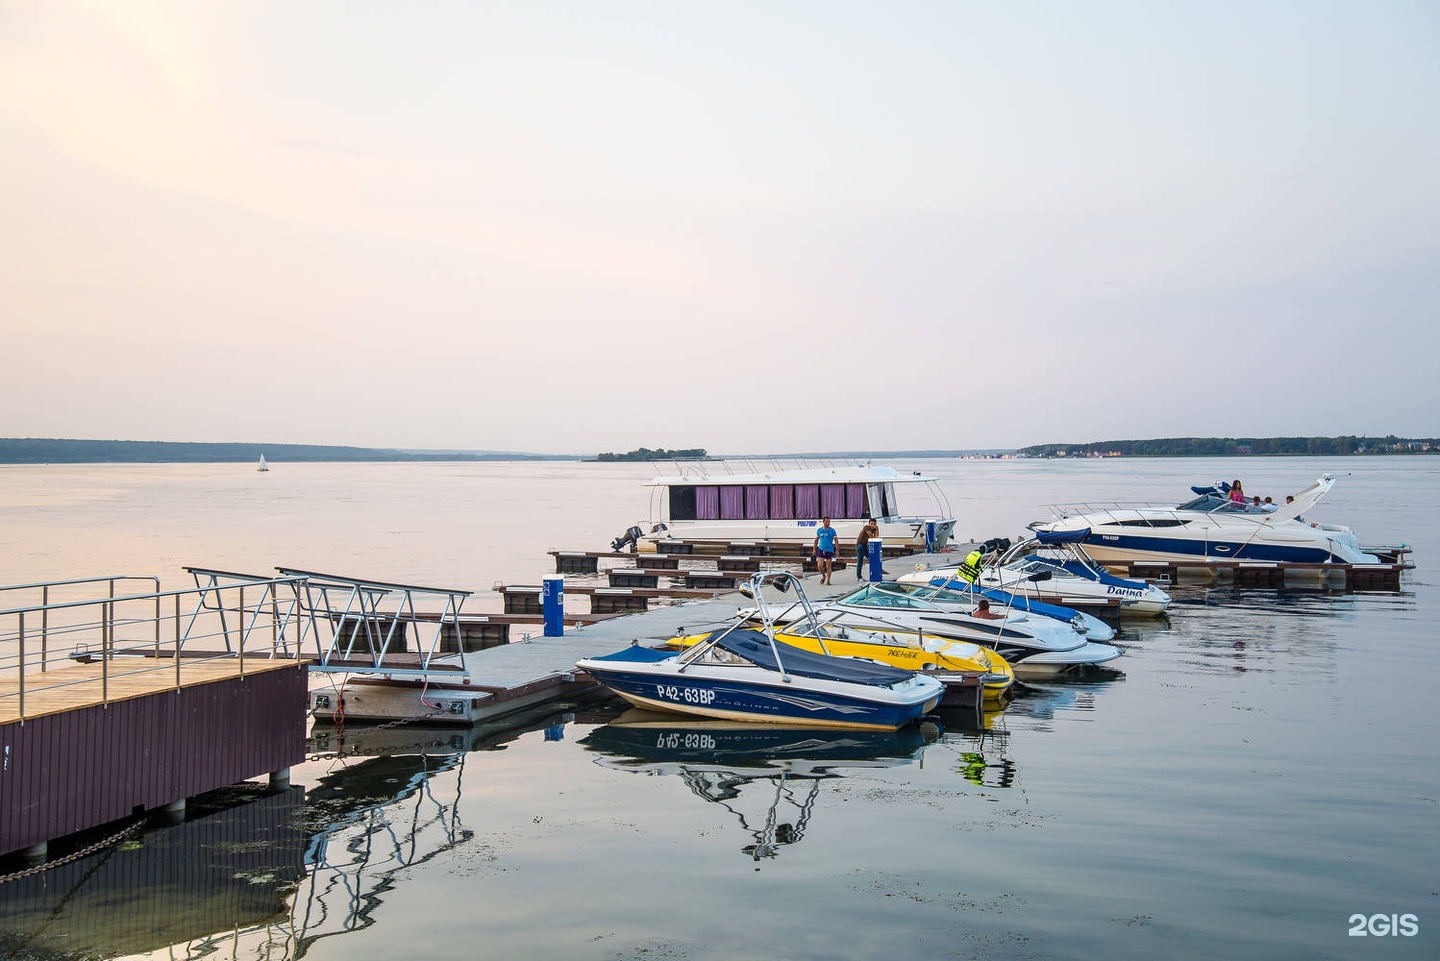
x,y
767,775
261,874
1043,700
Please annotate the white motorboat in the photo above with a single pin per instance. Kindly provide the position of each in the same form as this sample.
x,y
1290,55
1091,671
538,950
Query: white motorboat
x,y
1052,567
1031,644
1211,527
746,674
944,586
786,506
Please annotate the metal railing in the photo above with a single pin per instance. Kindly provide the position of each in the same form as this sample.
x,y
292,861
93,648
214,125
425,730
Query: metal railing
x,y
152,633
335,623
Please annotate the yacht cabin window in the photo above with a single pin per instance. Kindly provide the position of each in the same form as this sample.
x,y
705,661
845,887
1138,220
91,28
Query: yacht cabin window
x,y
690,502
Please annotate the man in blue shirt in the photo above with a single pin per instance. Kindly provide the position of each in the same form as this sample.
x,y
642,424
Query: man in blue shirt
x,y
824,548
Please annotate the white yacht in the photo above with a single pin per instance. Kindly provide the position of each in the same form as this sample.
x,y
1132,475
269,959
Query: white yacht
x,y
1211,527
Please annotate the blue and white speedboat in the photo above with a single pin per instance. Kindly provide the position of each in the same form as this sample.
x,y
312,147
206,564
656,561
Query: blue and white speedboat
x,y
1050,573
1211,527
917,616
745,674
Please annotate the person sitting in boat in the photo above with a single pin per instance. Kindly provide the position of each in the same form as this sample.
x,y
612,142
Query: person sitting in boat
x,y
1237,493
983,610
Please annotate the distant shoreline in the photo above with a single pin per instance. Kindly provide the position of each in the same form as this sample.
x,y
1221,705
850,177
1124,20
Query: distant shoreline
x,y
62,451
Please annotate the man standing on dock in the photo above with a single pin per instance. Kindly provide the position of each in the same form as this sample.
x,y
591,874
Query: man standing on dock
x,y
824,549
862,545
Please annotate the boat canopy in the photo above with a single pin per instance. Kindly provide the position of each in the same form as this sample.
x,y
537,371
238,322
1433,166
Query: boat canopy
x,y
1063,537
756,647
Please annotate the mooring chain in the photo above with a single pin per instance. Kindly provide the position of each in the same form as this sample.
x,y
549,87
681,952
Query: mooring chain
x,y
75,856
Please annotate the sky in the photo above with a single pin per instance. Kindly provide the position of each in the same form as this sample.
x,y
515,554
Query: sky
x,y
572,227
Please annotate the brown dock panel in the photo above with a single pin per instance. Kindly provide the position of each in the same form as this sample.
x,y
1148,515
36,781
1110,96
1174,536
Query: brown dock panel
x,y
68,771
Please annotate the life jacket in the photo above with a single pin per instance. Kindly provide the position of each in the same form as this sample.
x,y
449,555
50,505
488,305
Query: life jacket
x,y
970,570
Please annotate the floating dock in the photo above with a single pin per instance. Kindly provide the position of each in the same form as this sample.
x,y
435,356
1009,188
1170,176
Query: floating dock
x,y
102,718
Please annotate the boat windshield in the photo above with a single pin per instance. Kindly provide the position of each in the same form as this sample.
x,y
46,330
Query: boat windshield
x,y
1204,503
872,596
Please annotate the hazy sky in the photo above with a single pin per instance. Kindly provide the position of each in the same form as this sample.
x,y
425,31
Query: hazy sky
x,y
749,227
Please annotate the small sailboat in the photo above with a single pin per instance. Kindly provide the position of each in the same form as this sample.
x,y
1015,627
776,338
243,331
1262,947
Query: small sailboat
x,y
263,465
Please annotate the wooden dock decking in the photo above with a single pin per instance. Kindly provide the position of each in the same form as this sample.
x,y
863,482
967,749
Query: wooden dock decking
x,y
82,686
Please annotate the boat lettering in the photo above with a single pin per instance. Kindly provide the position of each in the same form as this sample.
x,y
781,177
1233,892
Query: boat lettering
x,y
1123,591
703,742
672,692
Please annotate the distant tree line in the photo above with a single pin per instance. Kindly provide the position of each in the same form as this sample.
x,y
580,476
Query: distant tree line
x,y
1238,446
645,453
55,451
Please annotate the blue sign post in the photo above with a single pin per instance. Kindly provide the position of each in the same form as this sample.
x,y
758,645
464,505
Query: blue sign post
x,y
877,551
552,604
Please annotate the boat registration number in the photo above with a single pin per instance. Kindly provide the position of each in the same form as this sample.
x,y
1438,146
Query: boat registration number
x,y
672,741
672,692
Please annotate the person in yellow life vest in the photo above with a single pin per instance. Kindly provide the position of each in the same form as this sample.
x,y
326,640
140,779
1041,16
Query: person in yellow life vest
x,y
970,570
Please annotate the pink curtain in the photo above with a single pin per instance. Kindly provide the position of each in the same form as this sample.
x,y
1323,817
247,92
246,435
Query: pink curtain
x,y
807,500
707,503
757,502
855,500
732,502
782,501
832,500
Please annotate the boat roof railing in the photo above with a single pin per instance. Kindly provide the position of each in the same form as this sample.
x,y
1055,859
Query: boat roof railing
x,y
754,588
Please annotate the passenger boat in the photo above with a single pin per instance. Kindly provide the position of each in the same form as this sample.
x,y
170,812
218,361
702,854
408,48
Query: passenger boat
x,y
890,614
786,506
1211,527
1052,568
746,673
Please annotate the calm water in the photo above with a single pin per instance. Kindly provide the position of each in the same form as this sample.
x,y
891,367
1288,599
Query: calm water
x,y
1259,769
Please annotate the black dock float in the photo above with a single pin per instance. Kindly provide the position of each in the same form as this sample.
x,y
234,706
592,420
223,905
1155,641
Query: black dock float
x,y
632,577
526,598
1278,575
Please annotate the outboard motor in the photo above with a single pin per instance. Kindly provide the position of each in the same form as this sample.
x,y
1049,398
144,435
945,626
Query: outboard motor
x,y
629,540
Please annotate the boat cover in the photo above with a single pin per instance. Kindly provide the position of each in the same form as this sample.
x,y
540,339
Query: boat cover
x,y
637,652
1104,577
1062,537
755,646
